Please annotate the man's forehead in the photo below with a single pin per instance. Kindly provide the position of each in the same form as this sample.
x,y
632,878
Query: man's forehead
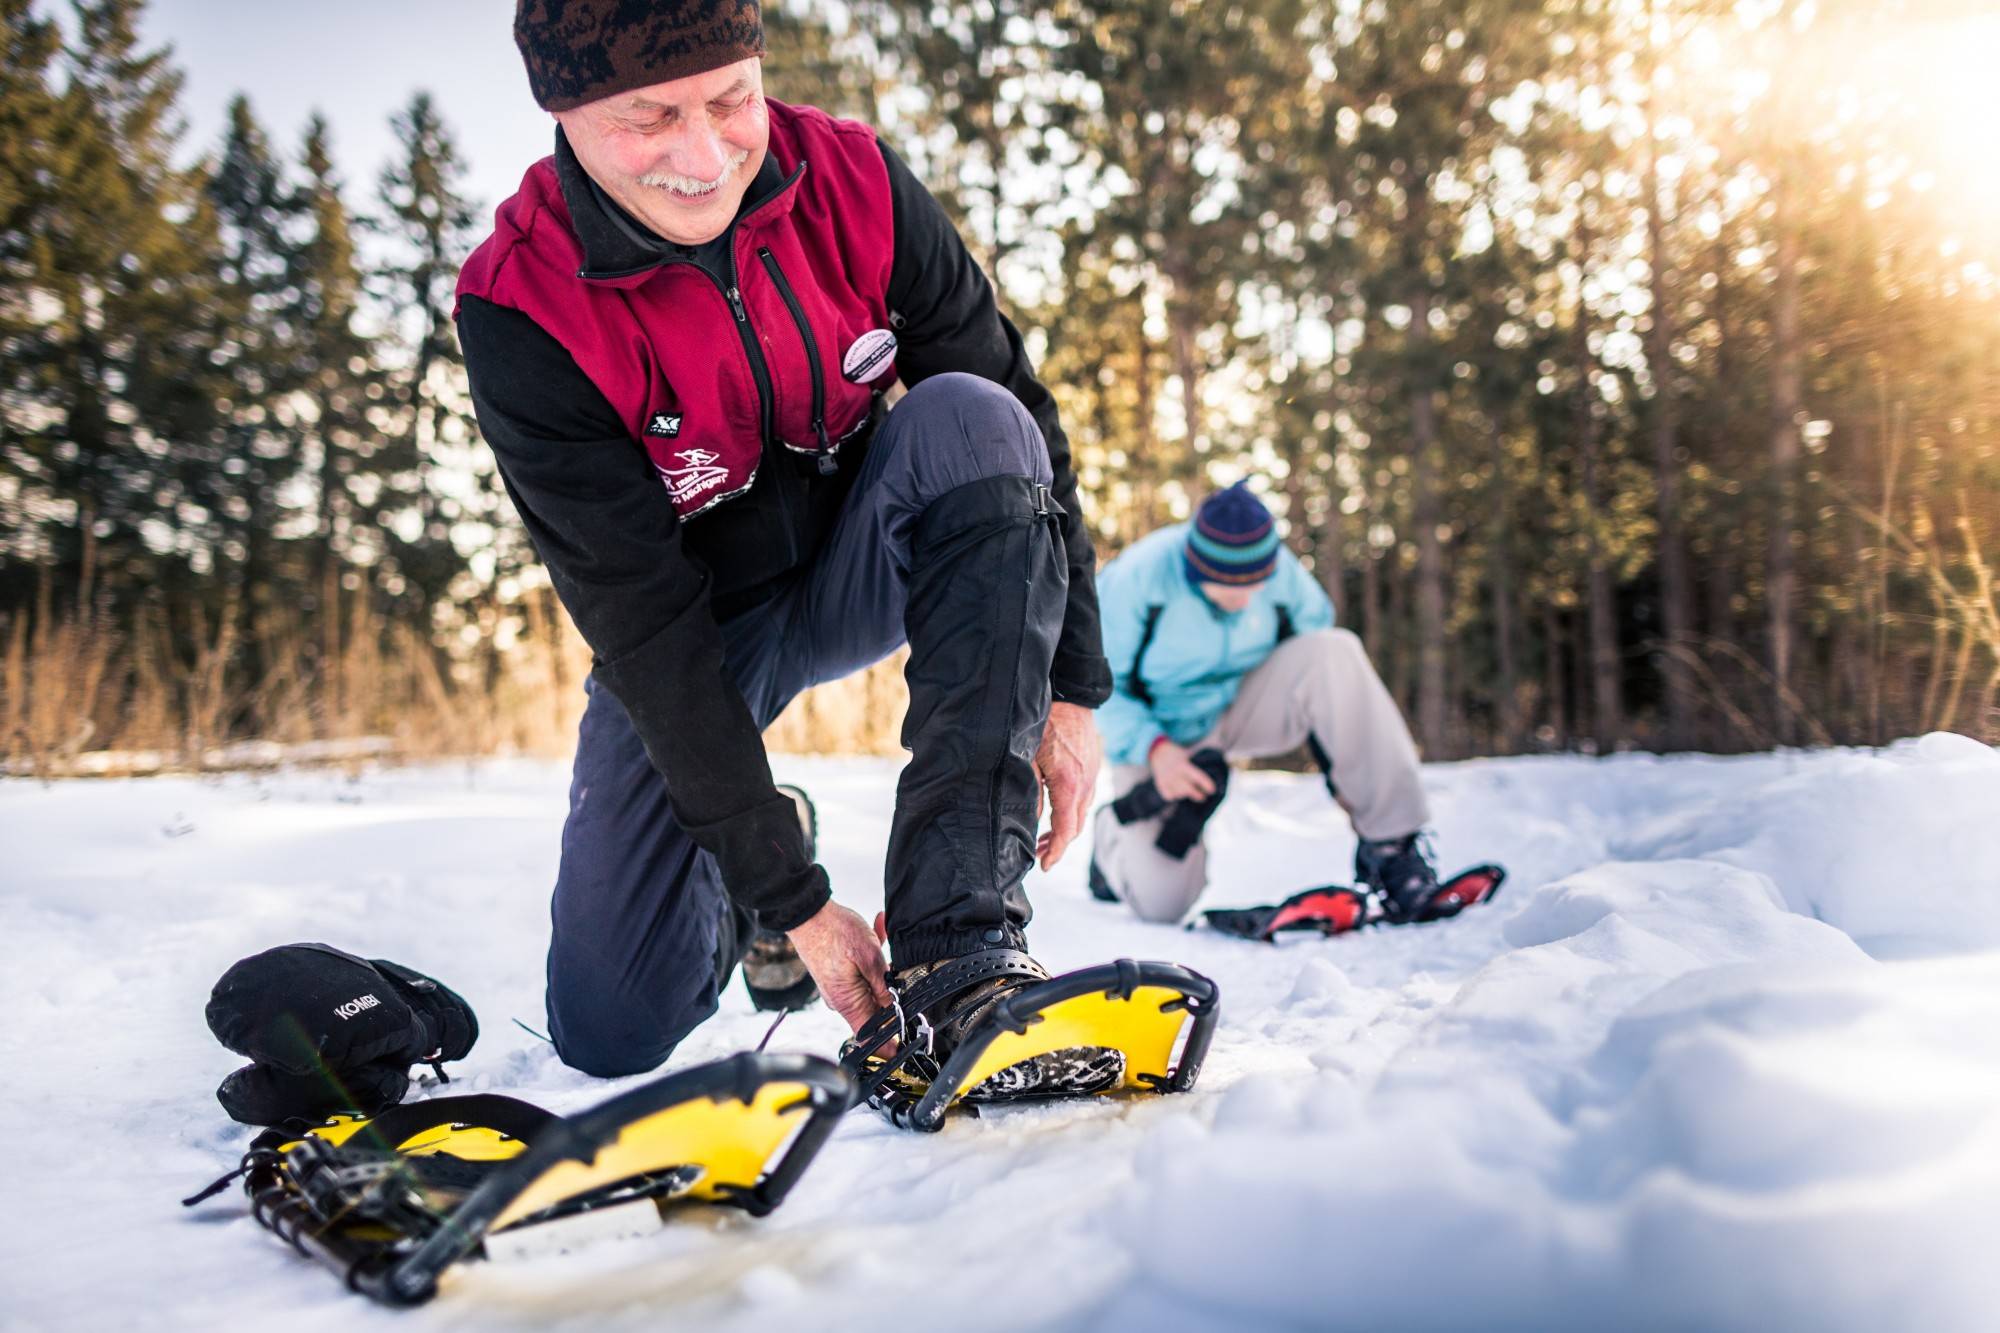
x,y
729,81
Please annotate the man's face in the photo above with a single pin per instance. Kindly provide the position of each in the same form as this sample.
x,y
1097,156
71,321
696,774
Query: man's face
x,y
1232,597
678,156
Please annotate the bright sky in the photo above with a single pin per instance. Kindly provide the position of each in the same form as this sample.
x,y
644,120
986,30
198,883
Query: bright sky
x,y
358,63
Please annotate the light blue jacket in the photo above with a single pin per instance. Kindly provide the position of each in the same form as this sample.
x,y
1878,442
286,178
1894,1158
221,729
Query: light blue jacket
x,y
1196,656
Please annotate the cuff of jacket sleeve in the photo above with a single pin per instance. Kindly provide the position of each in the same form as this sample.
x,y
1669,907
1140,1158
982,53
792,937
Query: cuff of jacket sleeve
x,y
1084,681
792,906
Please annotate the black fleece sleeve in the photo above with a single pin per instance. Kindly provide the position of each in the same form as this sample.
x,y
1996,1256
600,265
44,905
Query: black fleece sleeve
x,y
611,540
947,319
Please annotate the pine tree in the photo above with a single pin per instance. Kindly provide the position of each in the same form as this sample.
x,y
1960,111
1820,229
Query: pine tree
x,y
435,475
28,50
124,374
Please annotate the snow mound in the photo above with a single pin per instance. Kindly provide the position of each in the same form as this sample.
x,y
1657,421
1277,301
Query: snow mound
x,y
1899,848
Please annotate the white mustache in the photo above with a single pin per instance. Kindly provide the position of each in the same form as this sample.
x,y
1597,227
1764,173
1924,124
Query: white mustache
x,y
689,185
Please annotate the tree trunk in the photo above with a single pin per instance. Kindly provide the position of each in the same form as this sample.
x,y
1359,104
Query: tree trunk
x,y
1426,516
1607,715
1781,575
1508,714
1555,676
1186,365
1371,580
1146,451
1676,591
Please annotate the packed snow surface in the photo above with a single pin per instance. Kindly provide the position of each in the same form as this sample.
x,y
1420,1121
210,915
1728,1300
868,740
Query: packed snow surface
x,y
1725,1054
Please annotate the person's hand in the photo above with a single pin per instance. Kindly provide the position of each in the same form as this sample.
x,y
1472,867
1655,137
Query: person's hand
x,y
1175,777
1067,766
845,959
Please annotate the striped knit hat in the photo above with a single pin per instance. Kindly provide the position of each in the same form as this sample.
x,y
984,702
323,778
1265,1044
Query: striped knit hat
x,y
1233,539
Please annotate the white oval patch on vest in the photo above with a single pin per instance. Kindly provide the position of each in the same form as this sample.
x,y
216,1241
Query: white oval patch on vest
x,y
868,356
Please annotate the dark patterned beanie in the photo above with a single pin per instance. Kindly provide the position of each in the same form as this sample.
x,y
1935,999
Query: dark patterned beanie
x,y
580,50
1232,539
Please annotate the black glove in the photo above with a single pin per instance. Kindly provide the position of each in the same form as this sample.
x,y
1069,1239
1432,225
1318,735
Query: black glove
x,y
327,1031
1181,829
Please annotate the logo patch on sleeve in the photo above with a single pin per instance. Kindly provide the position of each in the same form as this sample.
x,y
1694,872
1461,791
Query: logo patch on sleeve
x,y
700,471
868,356
666,425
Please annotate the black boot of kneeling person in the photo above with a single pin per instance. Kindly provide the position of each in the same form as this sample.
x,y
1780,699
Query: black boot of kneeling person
x,y
1398,871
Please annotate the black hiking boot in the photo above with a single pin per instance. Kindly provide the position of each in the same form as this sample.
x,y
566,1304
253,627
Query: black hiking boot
x,y
773,972
1399,872
946,1011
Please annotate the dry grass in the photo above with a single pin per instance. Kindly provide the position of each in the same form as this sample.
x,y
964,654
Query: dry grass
x,y
86,693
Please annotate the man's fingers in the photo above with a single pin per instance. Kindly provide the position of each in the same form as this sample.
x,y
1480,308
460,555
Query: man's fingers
x,y
1063,827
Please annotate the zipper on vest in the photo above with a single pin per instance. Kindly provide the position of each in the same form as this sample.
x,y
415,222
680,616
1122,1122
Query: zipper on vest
x,y
827,463
758,370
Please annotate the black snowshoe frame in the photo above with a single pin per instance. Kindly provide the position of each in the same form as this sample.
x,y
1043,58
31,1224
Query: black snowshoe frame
x,y
390,1215
915,1089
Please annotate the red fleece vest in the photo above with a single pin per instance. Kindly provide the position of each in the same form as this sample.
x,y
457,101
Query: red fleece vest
x,y
669,347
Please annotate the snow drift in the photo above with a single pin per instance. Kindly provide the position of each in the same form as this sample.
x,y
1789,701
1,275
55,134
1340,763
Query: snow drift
x,y
1724,1054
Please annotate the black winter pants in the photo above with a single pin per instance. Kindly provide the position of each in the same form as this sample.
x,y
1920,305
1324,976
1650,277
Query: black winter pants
x,y
643,934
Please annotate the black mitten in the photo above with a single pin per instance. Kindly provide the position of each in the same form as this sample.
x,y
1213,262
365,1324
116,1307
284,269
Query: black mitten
x,y
261,1095
329,1031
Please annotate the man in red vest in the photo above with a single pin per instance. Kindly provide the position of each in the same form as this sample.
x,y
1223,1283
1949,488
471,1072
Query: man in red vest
x,y
679,337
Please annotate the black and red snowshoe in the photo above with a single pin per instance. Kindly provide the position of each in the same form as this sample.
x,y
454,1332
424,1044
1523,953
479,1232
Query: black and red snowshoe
x,y
1337,909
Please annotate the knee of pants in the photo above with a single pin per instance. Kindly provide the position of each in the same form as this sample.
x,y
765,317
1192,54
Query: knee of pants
x,y
608,1032
1163,904
1333,643
966,429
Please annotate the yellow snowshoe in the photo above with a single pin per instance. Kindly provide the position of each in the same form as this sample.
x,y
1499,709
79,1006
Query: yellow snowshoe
x,y
994,1027
393,1201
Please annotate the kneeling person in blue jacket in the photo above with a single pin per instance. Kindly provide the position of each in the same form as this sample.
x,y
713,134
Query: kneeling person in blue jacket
x,y
1222,646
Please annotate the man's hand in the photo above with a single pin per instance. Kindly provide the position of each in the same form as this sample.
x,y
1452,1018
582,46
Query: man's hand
x,y
845,958
1067,765
1175,777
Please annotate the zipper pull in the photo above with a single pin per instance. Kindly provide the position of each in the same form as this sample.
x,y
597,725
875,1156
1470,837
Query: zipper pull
x,y
828,465
736,305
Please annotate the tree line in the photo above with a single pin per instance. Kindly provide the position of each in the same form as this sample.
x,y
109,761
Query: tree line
x,y
1624,368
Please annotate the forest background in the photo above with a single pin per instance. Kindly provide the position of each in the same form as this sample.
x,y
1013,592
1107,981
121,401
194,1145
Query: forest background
x,y
1626,369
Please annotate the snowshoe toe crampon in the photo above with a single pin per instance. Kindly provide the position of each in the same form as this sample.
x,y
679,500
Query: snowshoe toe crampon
x,y
994,1027
393,1201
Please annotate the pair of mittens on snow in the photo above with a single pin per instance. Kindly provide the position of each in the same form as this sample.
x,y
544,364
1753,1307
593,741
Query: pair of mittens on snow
x,y
326,1031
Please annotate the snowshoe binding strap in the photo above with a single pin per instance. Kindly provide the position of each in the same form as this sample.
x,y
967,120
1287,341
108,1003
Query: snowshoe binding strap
x,y
393,1202
1123,1026
951,990
1330,910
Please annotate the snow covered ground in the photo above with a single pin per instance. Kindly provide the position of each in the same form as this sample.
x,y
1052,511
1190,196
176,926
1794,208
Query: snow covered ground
x,y
1725,1054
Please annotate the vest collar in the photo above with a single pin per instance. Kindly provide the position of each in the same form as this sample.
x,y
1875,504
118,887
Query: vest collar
x,y
621,251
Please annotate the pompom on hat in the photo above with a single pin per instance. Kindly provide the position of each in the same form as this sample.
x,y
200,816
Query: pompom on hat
x,y
1233,540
